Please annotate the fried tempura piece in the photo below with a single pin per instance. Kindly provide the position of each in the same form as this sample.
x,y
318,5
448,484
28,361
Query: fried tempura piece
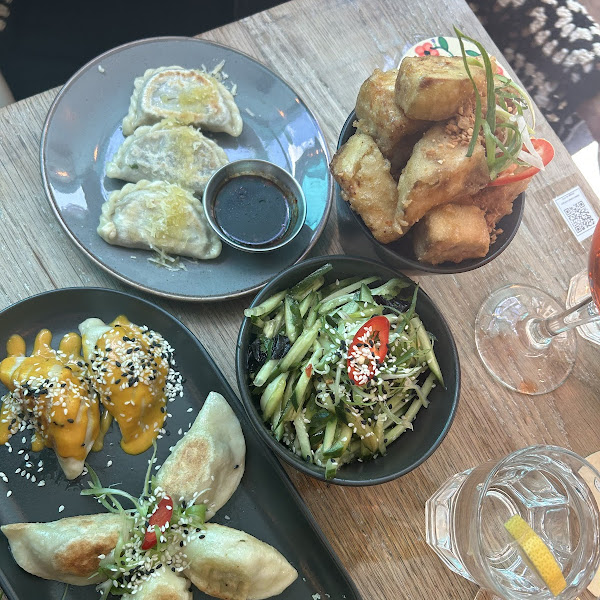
x,y
451,233
495,201
380,117
435,87
363,175
437,172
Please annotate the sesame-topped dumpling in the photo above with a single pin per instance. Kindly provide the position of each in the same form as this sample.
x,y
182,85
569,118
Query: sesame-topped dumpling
x,y
187,96
163,545
133,370
49,393
170,152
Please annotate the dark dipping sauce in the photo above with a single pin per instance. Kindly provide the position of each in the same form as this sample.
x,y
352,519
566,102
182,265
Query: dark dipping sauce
x,y
252,210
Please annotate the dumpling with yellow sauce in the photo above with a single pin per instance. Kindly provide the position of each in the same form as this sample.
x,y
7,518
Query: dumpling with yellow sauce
x,y
133,370
187,96
49,393
161,216
170,152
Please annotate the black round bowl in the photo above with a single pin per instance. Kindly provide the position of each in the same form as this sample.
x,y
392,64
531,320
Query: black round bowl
x,y
400,253
431,424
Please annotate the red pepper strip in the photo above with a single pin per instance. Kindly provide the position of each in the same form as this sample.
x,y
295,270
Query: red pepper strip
x,y
161,516
516,173
370,341
308,370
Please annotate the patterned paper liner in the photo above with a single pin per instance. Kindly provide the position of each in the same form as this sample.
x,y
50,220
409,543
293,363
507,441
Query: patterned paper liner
x,y
445,46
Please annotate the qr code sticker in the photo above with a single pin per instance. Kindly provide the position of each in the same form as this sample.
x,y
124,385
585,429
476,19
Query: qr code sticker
x,y
579,217
577,212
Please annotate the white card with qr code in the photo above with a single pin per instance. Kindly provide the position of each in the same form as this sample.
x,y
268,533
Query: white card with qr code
x,y
577,212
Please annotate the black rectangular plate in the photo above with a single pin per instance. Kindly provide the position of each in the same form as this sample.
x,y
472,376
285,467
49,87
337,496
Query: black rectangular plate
x,y
266,504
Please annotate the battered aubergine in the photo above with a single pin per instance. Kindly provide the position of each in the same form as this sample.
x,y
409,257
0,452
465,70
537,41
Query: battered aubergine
x,y
380,117
434,88
437,172
363,175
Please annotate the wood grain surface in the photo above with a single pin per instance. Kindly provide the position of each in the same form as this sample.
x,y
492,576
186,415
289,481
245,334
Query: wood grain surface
x,y
325,49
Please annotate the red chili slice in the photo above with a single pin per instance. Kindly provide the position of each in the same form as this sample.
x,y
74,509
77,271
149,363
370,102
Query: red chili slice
x,y
368,349
161,516
308,370
516,173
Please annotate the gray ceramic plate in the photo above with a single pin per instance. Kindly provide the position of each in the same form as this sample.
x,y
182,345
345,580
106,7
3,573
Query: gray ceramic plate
x,y
265,504
83,131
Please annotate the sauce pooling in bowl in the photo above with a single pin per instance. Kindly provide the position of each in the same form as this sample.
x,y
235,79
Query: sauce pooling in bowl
x,y
252,210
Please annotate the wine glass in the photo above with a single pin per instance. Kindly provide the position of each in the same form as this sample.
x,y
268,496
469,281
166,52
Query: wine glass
x,y
525,338
579,288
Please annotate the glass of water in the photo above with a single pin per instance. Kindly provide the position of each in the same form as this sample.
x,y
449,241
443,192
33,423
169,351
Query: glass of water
x,y
546,486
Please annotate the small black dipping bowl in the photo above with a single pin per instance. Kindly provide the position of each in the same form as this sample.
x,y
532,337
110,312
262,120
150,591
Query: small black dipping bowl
x,y
400,253
431,424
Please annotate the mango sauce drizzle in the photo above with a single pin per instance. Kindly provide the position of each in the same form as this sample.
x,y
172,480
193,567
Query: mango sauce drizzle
x,y
133,370
49,393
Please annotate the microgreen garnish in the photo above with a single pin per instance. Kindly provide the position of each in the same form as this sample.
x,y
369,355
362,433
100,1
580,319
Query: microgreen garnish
x,y
129,564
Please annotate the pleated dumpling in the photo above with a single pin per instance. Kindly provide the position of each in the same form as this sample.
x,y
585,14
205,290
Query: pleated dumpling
x,y
233,565
160,216
207,463
66,550
170,152
187,96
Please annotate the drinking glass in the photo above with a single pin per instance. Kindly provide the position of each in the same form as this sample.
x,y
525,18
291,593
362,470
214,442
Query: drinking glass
x,y
544,485
579,289
527,340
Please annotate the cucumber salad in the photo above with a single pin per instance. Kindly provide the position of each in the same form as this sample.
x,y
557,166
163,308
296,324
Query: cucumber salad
x,y
340,370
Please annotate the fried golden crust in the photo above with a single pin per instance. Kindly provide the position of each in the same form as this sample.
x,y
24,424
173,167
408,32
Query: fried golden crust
x,y
380,117
435,87
437,172
363,175
66,550
451,233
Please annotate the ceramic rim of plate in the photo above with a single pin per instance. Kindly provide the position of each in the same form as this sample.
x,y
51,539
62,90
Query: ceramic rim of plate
x,y
109,269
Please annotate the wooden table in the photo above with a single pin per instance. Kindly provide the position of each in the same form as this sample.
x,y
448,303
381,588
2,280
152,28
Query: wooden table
x,y
325,50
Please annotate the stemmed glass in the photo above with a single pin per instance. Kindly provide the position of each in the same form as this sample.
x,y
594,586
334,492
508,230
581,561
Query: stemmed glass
x,y
525,338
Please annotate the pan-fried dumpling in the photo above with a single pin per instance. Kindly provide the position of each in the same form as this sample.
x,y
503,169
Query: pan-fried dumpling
x,y
133,370
67,550
49,394
233,565
159,216
168,152
187,96
210,457
163,584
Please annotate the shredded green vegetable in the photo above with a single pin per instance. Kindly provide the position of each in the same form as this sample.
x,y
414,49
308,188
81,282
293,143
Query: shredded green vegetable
x,y
503,138
305,392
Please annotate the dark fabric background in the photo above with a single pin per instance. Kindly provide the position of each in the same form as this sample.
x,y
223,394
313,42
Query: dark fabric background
x,y
46,41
